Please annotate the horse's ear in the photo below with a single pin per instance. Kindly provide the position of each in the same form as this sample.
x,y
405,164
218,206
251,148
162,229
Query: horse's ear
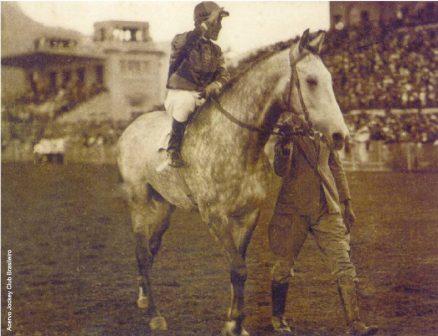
x,y
317,43
304,40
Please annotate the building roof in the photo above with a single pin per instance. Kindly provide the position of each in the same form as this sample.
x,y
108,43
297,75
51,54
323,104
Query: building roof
x,y
46,57
122,22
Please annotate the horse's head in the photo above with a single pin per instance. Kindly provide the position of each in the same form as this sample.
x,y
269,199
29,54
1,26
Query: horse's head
x,y
312,90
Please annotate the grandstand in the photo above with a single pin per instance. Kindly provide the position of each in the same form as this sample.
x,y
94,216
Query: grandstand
x,y
382,57
380,66
54,79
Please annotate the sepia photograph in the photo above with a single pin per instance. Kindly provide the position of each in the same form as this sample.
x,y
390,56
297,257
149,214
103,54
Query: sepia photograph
x,y
220,168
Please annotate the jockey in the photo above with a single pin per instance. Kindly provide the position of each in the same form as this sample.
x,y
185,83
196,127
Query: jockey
x,y
196,71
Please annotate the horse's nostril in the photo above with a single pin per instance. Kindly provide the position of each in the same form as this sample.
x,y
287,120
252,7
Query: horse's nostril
x,y
337,137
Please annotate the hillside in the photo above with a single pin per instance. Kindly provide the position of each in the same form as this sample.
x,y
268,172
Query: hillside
x,y
19,31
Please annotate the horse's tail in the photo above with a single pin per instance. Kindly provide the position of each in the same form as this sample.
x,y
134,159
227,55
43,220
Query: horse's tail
x,y
119,177
122,185
118,161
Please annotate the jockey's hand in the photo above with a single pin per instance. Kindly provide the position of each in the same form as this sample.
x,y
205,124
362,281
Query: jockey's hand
x,y
212,90
286,130
282,147
349,216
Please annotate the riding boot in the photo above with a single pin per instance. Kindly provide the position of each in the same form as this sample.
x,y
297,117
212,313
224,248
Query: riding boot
x,y
174,147
279,295
347,293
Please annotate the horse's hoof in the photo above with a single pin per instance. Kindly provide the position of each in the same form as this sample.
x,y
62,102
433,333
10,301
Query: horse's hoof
x,y
158,323
230,330
143,302
161,167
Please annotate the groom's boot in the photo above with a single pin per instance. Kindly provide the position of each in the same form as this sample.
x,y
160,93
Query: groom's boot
x,y
347,292
279,295
174,147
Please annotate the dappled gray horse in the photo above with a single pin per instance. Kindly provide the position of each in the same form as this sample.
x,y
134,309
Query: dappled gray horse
x,y
227,177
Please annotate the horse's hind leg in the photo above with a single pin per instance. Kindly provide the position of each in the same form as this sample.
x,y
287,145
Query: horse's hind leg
x,y
150,215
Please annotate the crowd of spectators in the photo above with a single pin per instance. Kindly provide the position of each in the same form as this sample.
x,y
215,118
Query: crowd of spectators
x,y
30,117
390,65
93,133
390,127
80,136
49,103
383,66
373,67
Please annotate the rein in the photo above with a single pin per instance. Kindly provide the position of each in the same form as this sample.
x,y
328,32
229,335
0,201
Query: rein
x,y
241,123
282,129
294,74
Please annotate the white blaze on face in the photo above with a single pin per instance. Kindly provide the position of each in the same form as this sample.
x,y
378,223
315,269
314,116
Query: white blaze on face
x,y
319,98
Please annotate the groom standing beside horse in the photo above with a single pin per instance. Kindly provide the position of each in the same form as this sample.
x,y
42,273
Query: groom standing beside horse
x,y
314,199
226,176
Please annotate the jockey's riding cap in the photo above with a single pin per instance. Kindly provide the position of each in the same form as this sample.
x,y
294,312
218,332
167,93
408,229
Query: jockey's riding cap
x,y
204,9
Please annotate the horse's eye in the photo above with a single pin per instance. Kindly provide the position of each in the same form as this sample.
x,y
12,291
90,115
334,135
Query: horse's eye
x,y
312,81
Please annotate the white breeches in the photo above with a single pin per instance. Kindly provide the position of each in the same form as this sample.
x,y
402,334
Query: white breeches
x,y
181,103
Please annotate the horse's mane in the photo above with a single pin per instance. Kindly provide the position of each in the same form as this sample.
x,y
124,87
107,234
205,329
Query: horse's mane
x,y
260,55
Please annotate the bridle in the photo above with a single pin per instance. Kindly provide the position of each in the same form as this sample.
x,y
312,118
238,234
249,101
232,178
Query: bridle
x,y
295,78
283,130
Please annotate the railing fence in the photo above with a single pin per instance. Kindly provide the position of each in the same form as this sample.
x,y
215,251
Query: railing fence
x,y
372,156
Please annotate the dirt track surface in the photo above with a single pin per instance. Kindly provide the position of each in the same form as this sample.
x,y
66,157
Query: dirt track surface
x,y
74,268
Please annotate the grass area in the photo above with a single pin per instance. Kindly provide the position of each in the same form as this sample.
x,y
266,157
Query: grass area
x,y
75,273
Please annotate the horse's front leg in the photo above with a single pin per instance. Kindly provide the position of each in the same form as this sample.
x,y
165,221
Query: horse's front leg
x,y
242,233
235,236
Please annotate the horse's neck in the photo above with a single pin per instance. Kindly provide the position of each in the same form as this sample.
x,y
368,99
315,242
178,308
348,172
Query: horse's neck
x,y
256,88
249,100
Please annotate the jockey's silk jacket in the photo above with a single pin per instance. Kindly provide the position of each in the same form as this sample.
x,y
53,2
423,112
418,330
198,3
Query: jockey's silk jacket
x,y
195,62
